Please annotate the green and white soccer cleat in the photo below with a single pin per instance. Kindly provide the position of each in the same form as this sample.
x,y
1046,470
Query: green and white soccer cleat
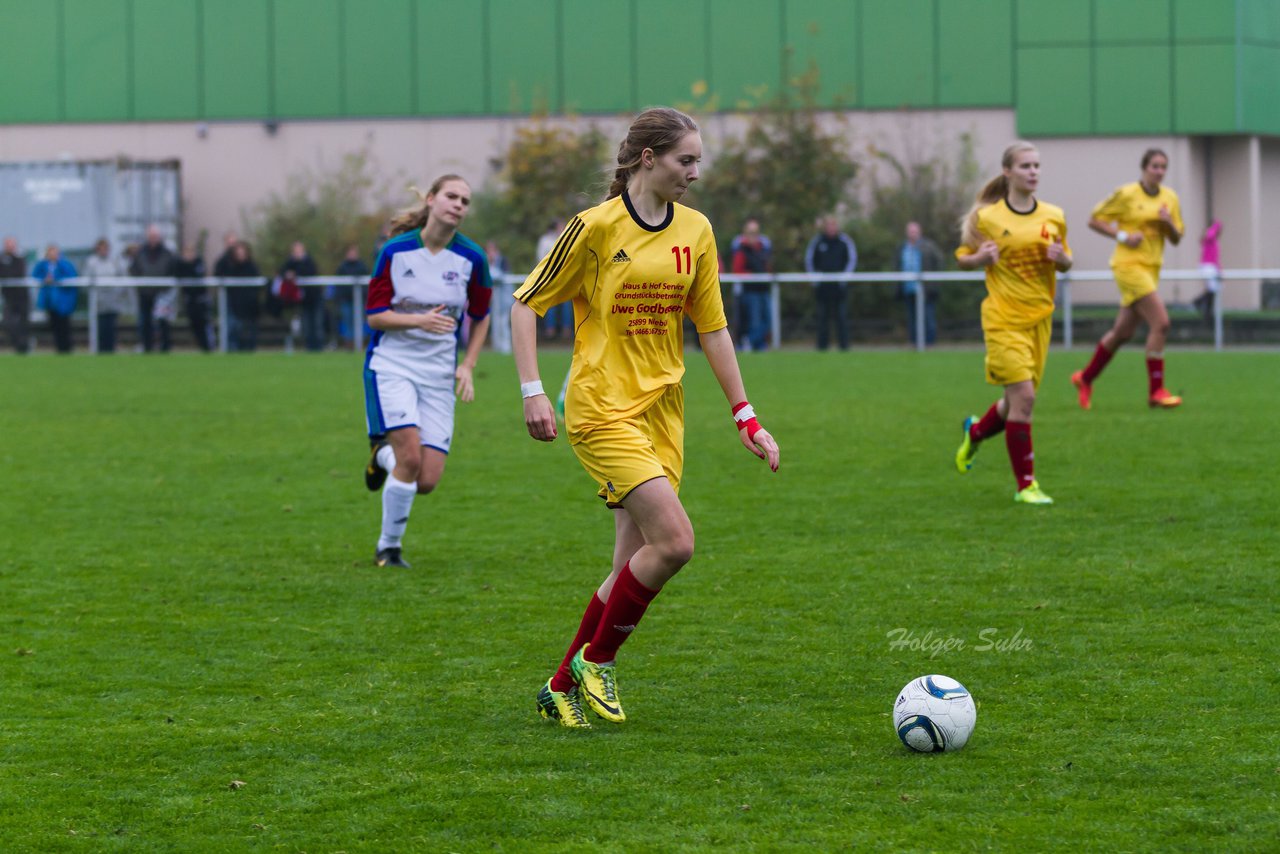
x,y
1032,494
563,707
968,447
598,687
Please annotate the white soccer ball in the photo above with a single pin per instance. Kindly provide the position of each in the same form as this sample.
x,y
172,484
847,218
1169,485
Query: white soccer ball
x,y
934,714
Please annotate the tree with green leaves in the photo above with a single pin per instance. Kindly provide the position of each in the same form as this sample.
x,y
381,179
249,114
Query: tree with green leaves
x,y
327,209
549,173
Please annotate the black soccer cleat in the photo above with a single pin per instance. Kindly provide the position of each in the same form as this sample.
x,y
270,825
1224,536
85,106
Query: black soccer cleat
x,y
374,474
391,557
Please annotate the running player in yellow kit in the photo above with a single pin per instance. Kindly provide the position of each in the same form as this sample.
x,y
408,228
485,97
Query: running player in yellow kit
x,y
634,266
1139,217
1022,243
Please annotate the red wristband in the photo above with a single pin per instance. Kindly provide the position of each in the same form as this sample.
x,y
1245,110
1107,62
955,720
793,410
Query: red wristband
x,y
745,417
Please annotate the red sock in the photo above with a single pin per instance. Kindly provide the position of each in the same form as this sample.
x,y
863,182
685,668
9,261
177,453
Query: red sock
x,y
1017,438
563,680
1099,361
627,603
1155,374
988,425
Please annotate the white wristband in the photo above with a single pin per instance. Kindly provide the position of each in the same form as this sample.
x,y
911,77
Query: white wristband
x,y
1122,237
531,389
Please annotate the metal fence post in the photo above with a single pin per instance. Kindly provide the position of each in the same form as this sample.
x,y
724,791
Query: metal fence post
x,y
357,317
920,324
1216,296
1067,336
775,312
93,317
224,334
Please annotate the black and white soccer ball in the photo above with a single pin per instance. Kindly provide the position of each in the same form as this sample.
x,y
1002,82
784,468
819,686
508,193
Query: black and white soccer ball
x,y
934,714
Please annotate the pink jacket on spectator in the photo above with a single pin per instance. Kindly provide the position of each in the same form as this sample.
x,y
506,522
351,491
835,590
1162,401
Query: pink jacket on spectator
x,y
1209,251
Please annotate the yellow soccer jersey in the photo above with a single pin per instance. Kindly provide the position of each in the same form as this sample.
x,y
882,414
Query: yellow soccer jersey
x,y
1132,209
632,285
1021,285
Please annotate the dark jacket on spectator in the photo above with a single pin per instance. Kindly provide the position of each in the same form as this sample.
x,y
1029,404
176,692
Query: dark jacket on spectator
x,y
753,256
300,268
241,301
152,261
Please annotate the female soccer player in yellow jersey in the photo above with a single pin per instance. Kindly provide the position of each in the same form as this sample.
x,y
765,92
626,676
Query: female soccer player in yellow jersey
x,y
1022,243
1139,217
634,267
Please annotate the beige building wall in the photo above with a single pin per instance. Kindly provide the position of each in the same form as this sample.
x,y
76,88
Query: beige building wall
x,y
1269,220
227,167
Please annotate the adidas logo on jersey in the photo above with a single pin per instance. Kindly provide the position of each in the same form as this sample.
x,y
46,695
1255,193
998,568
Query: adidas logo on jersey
x,y
621,257
408,273
1006,233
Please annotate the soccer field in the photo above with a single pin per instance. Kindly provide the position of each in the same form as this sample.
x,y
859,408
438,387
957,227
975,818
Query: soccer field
x,y
199,655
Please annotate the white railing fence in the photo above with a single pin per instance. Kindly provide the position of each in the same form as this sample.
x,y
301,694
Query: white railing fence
x,y
775,280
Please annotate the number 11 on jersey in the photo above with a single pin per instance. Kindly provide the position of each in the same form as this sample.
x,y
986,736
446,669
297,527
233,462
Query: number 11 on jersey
x,y
688,265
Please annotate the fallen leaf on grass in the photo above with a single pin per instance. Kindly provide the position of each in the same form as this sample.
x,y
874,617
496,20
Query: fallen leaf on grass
x,y
236,784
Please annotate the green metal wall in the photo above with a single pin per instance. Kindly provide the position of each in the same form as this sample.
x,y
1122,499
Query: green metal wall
x,y
1067,66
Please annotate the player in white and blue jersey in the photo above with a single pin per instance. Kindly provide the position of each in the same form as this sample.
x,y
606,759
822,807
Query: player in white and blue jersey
x,y
427,276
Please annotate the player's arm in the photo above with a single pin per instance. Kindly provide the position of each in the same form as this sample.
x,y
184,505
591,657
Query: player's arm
x,y
986,254
718,347
1058,252
1170,223
1115,232
557,277
539,416
479,294
1105,220
463,375
434,320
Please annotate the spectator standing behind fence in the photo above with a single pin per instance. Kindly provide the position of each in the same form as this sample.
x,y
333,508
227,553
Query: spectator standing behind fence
x,y
1211,267
500,316
17,298
154,260
58,300
753,253
341,296
300,265
112,300
919,254
831,251
243,302
559,318
195,298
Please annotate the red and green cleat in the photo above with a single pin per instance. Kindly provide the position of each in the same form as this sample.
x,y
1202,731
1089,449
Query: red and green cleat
x,y
565,707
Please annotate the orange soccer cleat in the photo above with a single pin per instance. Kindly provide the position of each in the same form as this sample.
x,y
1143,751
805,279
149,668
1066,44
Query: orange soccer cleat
x,y
1083,389
1162,399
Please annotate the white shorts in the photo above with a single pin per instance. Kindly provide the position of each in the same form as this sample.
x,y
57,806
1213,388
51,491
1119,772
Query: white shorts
x,y
392,401
1212,277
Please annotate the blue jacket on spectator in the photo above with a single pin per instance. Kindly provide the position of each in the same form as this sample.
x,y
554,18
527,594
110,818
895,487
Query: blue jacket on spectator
x,y
59,299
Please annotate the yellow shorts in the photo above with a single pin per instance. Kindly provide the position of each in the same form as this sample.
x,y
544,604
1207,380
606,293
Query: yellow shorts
x,y
1017,355
624,454
1135,281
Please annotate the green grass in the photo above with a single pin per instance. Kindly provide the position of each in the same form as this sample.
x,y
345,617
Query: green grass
x,y
188,601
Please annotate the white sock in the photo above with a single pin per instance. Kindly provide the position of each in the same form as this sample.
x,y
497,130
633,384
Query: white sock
x,y
386,458
397,500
